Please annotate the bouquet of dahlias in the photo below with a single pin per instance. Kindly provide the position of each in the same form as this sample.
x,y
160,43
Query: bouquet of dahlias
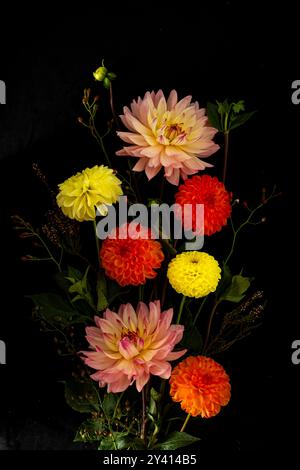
x,y
135,308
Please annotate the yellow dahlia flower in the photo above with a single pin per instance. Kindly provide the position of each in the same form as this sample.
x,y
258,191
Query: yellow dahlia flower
x,y
80,195
194,274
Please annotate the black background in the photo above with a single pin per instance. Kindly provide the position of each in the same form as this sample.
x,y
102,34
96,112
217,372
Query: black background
x,y
222,50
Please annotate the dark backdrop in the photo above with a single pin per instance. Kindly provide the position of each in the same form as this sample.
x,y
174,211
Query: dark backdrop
x,y
224,50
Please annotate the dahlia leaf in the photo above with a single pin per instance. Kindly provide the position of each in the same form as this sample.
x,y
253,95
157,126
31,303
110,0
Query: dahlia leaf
x,y
109,404
102,302
236,291
81,396
238,121
176,440
213,116
238,107
118,439
225,281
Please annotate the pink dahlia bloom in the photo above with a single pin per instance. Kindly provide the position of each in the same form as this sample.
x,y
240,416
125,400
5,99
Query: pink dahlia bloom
x,y
128,346
167,134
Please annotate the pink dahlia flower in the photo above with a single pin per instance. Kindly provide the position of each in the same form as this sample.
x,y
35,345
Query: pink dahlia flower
x,y
128,346
167,134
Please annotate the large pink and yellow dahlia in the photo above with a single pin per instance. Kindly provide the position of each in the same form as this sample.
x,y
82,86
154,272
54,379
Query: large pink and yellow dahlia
x,y
169,134
128,346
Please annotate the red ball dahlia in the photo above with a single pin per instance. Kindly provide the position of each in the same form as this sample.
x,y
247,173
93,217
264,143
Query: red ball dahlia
x,y
211,192
130,257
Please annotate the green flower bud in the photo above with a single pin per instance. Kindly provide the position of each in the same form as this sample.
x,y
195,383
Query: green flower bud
x,y
111,75
100,74
106,82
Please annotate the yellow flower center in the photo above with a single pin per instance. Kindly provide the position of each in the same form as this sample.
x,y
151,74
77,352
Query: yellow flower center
x,y
170,133
130,335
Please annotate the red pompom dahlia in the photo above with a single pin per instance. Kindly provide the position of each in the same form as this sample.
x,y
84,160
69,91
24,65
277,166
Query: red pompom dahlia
x,y
212,193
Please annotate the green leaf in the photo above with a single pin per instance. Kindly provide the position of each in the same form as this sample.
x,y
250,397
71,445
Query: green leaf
x,y
74,273
90,430
176,440
225,281
213,116
102,302
239,106
122,439
193,339
81,396
237,121
54,309
109,403
107,444
155,398
236,291
119,440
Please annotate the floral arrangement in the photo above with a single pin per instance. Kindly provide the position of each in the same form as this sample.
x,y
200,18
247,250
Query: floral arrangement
x,y
134,310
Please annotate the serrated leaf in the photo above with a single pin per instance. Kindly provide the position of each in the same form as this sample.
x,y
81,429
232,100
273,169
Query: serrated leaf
x,y
213,115
176,440
81,396
236,291
238,121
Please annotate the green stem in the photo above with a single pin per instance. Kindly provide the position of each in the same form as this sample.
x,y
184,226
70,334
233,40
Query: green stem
x,y
143,428
141,292
226,142
168,246
49,252
100,142
96,239
111,102
210,324
117,405
185,422
180,309
199,310
246,222
108,420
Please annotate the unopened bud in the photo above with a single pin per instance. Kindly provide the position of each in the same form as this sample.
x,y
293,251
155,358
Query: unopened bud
x,y
100,74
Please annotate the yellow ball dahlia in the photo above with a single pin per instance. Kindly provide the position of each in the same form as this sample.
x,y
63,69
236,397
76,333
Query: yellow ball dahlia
x,y
194,274
93,188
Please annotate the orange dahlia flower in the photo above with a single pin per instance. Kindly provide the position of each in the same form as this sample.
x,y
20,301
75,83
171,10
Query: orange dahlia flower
x,y
201,385
167,134
131,258
211,192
